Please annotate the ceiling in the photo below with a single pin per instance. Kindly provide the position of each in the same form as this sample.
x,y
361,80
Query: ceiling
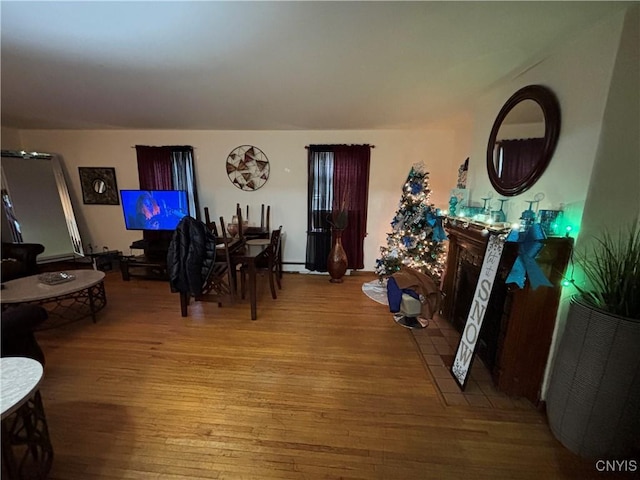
x,y
267,65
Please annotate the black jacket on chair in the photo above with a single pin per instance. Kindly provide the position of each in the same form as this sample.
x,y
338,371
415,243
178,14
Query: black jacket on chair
x,y
191,255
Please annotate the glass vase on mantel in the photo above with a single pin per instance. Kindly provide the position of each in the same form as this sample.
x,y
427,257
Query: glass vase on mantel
x,y
337,261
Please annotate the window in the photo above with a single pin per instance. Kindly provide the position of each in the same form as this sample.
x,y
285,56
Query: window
x,y
169,168
337,172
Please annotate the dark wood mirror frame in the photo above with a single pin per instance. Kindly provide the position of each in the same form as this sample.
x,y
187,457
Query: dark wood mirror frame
x,y
551,111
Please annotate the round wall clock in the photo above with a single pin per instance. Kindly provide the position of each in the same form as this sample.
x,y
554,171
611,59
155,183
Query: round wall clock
x,y
248,167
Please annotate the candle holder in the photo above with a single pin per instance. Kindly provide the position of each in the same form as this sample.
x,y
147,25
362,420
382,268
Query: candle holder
x,y
486,209
549,220
499,216
528,217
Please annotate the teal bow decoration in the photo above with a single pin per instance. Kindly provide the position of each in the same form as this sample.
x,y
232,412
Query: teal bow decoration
x,y
435,222
529,245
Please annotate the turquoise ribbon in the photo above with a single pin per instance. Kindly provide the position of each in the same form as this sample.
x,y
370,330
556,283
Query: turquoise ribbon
x,y
529,245
435,222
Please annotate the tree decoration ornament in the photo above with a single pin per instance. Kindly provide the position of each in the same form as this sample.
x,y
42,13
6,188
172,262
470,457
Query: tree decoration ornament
x,y
416,188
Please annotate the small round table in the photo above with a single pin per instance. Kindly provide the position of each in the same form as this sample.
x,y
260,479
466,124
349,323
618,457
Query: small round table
x,y
26,447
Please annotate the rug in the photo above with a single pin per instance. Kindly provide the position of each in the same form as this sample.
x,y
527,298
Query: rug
x,y
376,290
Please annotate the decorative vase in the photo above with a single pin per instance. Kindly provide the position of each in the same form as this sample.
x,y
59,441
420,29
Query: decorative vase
x,y
594,390
337,261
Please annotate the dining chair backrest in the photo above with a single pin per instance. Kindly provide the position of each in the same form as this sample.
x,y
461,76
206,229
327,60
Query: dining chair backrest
x,y
265,221
240,223
270,262
223,230
246,215
226,253
274,250
210,225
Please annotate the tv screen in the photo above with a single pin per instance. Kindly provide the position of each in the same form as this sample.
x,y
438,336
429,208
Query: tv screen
x,y
153,209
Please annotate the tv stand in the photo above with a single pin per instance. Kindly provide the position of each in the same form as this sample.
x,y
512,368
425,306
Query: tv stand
x,y
152,264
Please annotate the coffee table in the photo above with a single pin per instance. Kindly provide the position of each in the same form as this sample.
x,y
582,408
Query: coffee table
x,y
73,300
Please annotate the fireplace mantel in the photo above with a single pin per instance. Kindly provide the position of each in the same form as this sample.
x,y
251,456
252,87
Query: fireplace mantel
x,y
516,334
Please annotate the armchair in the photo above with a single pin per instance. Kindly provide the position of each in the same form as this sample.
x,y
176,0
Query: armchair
x,y
19,259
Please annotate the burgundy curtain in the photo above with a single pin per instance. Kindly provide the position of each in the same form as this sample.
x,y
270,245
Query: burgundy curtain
x,y
519,158
155,173
154,167
351,183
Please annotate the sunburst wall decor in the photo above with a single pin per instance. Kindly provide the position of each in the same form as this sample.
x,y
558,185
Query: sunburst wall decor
x,y
248,167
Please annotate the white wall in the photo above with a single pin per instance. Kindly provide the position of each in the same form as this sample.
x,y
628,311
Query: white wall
x,y
614,192
579,74
613,197
10,139
286,190
597,154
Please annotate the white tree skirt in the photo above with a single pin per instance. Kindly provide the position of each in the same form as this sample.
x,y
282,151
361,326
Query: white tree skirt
x,y
376,291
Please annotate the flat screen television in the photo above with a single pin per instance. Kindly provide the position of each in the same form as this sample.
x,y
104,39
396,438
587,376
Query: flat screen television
x,y
153,209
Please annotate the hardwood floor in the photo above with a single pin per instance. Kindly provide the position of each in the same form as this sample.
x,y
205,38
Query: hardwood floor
x,y
324,385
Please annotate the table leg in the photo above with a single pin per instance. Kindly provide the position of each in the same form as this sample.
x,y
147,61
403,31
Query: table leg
x,y
252,289
9,461
124,269
97,299
92,306
234,278
26,446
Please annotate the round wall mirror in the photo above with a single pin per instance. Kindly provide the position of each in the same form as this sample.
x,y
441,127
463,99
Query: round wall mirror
x,y
523,139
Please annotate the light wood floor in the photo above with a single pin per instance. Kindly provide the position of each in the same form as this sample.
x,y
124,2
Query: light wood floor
x,y
324,385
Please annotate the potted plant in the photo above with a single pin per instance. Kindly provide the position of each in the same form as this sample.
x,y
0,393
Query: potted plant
x,y
593,400
337,261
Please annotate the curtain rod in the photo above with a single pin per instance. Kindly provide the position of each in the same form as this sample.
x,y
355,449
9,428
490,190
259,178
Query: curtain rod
x,y
344,145
165,146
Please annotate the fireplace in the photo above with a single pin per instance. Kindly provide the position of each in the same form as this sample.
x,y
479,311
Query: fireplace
x,y
468,272
516,333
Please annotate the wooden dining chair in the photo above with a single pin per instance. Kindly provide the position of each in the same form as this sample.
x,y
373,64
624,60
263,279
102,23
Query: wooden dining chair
x,y
207,281
210,225
240,223
270,263
264,222
224,257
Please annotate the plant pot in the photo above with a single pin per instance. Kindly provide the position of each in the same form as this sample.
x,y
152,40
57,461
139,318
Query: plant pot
x,y
337,261
593,400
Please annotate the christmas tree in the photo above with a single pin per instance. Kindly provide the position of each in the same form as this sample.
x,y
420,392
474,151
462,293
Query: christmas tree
x,y
417,237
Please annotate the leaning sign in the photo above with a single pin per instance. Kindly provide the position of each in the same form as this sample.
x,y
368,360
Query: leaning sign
x,y
466,348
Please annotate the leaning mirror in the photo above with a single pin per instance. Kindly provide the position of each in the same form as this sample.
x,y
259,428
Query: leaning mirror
x,y
523,139
36,207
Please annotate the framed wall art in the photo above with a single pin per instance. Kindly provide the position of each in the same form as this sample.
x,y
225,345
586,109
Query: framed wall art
x,y
248,167
99,185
